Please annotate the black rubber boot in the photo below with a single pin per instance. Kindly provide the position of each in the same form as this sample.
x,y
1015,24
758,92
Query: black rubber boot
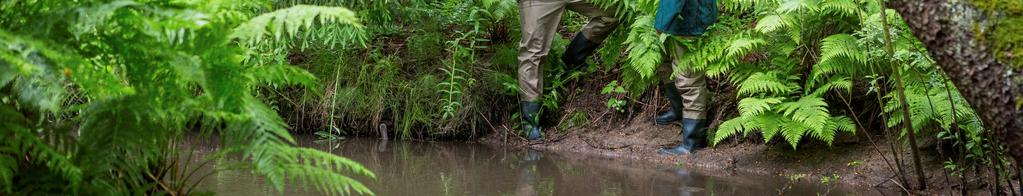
x,y
531,119
675,113
693,132
577,51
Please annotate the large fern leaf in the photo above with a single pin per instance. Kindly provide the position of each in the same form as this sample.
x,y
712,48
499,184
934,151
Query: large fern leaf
x,y
811,111
842,7
774,22
23,144
645,47
750,107
844,46
743,46
288,22
765,82
729,128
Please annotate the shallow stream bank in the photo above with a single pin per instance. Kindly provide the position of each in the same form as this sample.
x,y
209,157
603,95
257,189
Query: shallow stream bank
x,y
458,168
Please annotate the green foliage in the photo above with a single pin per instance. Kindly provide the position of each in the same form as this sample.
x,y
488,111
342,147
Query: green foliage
x,y
806,117
424,46
644,58
425,71
452,88
114,84
615,103
289,22
780,90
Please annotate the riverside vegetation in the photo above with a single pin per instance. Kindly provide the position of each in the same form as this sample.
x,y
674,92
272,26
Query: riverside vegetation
x,y
96,95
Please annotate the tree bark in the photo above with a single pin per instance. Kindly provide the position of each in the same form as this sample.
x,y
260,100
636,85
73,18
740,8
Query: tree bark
x,y
948,28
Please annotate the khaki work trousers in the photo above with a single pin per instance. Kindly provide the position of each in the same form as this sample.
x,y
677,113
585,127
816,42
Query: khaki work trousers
x,y
691,85
539,20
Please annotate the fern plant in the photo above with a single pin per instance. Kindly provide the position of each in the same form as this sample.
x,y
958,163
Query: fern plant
x,y
781,81
116,82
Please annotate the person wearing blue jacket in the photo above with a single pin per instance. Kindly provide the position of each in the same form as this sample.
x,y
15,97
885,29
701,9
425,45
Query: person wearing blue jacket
x,y
687,91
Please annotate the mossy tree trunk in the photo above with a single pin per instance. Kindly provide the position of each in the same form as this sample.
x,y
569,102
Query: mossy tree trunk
x,y
952,31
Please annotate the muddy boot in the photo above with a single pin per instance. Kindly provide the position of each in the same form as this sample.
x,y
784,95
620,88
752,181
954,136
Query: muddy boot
x,y
693,132
675,113
577,51
531,120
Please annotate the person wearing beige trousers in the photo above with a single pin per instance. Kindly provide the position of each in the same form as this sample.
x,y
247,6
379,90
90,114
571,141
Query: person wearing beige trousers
x,y
684,87
539,20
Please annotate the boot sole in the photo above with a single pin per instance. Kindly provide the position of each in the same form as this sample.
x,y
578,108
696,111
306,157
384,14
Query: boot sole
x,y
666,123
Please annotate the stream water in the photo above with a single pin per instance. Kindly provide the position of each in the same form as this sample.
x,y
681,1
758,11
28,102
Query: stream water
x,y
442,168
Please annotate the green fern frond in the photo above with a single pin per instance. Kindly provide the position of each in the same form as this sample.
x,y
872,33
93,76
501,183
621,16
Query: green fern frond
x,y
774,22
808,110
740,6
8,167
743,46
23,144
825,69
283,75
843,123
628,9
836,83
43,66
769,124
827,134
729,128
842,7
324,171
645,47
790,6
135,87
792,132
288,22
844,46
93,18
920,108
765,82
749,107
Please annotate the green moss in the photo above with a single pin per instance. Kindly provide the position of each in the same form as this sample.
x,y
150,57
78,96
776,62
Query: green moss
x,y
1007,41
1010,7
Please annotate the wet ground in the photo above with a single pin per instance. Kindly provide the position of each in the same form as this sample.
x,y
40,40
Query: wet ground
x,y
443,168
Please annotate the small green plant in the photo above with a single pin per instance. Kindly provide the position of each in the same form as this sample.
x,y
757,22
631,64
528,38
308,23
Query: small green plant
x,y
576,119
829,183
854,163
457,81
953,169
616,92
792,180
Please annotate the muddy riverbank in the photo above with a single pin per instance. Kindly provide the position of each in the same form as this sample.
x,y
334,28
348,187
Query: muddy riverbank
x,y
459,168
852,159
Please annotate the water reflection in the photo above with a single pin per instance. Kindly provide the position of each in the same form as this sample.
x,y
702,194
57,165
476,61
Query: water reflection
x,y
528,173
438,168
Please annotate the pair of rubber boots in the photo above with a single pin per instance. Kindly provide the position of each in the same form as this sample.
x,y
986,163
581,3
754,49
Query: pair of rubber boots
x,y
693,130
575,58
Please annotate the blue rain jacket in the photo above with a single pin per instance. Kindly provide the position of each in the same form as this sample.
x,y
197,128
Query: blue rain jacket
x,y
685,17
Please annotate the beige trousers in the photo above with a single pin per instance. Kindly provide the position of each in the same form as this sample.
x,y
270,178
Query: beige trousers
x,y
691,85
539,20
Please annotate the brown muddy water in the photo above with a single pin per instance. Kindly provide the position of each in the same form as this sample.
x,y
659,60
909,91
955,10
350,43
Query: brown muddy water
x,y
455,168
